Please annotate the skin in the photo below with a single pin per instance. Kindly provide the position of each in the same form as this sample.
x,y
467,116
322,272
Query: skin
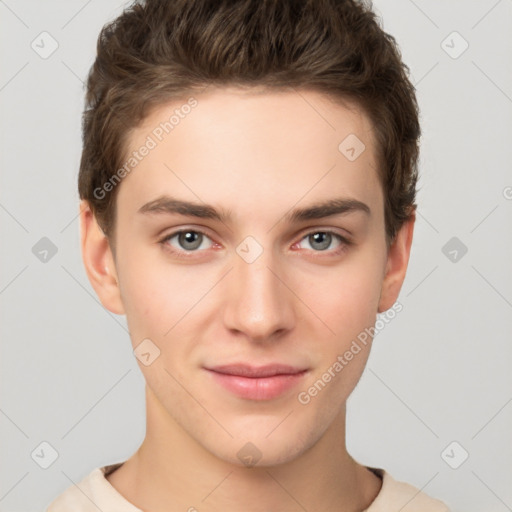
x,y
258,155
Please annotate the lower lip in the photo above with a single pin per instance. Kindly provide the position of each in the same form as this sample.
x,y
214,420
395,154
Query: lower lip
x,y
258,388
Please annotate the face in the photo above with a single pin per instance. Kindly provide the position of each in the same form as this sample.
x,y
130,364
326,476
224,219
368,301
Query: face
x,y
250,251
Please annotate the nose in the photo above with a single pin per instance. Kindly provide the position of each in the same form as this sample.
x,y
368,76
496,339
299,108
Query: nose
x,y
259,302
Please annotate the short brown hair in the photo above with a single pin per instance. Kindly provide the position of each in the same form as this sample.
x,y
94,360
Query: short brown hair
x,y
157,51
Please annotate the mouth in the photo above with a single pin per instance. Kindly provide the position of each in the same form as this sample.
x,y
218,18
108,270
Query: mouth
x,y
257,382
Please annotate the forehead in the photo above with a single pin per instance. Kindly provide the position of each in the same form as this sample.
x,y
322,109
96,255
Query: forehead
x,y
242,149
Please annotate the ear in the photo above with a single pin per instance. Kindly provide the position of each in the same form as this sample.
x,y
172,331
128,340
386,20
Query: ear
x,y
396,266
98,261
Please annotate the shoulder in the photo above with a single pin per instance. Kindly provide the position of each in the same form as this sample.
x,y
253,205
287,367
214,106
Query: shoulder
x,y
396,495
91,494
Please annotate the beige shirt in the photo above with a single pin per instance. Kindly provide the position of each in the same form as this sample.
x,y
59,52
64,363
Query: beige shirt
x,y
94,492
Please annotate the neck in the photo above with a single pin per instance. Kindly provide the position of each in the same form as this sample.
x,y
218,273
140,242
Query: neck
x,y
172,471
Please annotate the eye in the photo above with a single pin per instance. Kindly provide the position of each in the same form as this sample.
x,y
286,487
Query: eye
x,y
187,240
320,241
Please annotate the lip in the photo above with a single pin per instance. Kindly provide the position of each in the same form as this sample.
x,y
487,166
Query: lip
x,y
257,382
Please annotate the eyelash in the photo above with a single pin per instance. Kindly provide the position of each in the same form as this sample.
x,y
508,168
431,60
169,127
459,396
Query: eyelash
x,y
345,242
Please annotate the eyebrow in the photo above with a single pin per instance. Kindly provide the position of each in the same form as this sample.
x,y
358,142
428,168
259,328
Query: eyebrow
x,y
328,208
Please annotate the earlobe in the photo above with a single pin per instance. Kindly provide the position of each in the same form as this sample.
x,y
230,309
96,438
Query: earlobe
x,y
396,266
98,261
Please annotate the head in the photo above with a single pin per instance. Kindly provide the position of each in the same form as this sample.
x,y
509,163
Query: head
x,y
256,112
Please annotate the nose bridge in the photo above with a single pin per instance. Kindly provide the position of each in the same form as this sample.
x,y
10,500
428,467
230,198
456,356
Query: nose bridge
x,y
259,304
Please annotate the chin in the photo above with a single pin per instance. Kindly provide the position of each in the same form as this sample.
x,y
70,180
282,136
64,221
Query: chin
x,y
256,448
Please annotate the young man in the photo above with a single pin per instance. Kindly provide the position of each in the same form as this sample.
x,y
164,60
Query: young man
x,y
248,183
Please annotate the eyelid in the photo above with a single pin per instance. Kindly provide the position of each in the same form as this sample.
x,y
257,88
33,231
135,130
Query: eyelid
x,y
343,233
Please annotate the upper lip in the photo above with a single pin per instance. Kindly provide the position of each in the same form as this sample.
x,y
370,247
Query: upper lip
x,y
245,370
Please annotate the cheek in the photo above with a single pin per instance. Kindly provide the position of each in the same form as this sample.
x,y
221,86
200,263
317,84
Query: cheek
x,y
157,294
347,303
348,300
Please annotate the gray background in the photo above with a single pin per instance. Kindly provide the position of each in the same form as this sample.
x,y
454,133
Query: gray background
x,y
438,373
